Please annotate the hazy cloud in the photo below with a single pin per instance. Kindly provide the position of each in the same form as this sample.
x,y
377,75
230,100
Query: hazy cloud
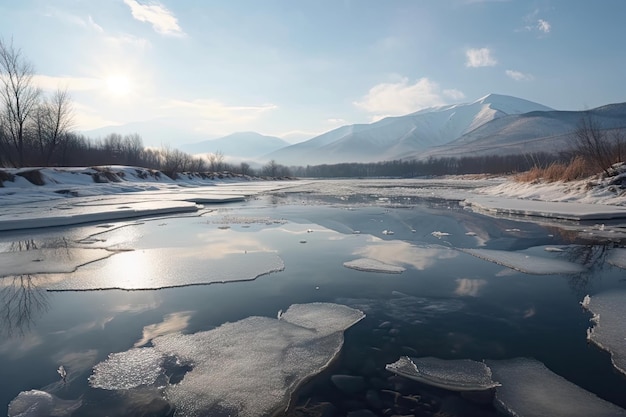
x,y
454,94
161,19
481,57
216,111
88,23
518,76
50,83
403,97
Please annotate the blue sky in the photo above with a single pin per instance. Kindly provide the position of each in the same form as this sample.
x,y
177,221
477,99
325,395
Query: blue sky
x,y
296,69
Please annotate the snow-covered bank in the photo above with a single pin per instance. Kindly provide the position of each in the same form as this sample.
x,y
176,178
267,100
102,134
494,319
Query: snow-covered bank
x,y
43,197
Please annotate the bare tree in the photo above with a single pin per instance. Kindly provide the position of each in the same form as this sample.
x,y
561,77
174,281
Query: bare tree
x,y
18,97
244,168
53,120
592,143
216,161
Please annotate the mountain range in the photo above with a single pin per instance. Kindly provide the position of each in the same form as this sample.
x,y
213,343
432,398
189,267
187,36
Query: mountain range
x,y
492,125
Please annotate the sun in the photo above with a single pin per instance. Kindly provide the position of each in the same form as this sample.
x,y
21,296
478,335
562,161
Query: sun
x,y
118,85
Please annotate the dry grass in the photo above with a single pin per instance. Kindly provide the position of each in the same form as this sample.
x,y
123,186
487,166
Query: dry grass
x,y
576,169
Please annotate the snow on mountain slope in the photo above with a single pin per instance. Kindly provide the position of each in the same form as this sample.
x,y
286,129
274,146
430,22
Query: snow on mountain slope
x,y
238,145
395,137
542,131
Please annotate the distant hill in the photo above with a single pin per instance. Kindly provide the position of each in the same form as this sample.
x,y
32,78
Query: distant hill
x,y
238,145
397,137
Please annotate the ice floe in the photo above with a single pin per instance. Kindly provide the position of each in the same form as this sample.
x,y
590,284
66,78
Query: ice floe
x,y
530,389
528,264
439,234
247,368
156,268
35,403
608,328
372,265
617,257
453,375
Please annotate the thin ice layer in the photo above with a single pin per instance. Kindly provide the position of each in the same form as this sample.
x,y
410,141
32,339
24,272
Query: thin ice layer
x,y
372,265
609,326
247,368
617,257
530,389
35,403
528,264
453,375
156,268
49,260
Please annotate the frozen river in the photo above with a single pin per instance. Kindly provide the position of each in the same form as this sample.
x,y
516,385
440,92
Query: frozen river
x,y
303,296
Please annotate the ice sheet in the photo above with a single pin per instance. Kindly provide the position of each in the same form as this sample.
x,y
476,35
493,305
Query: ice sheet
x,y
608,328
372,265
552,209
156,268
530,389
247,368
36,403
453,375
528,264
617,257
49,260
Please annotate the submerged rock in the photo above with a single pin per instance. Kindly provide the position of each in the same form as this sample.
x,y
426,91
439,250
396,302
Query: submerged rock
x,y
453,375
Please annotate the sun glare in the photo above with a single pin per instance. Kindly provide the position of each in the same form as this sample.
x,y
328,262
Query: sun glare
x,y
118,85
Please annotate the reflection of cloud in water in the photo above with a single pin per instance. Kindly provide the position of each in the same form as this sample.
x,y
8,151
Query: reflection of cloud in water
x,y
18,347
469,287
399,252
172,323
48,261
223,244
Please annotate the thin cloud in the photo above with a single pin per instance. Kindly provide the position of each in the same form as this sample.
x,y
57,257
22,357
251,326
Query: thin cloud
x,y
162,20
518,76
403,97
214,110
51,83
544,26
481,57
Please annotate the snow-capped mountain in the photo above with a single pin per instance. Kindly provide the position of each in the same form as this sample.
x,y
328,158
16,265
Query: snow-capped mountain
x,y
238,145
533,132
396,137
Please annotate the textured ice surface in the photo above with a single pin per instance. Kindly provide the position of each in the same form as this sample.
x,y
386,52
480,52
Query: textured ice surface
x,y
617,257
608,329
453,375
530,389
372,265
155,268
247,368
48,261
528,264
36,403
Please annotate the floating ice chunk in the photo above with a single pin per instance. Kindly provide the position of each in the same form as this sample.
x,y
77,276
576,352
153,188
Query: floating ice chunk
x,y
530,389
617,257
247,368
48,261
372,265
553,249
36,403
528,264
387,232
129,369
608,324
453,375
439,234
470,233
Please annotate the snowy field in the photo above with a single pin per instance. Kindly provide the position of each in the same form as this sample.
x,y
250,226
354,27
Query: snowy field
x,y
151,293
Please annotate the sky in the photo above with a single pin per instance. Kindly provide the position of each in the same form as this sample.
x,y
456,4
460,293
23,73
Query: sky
x,y
178,71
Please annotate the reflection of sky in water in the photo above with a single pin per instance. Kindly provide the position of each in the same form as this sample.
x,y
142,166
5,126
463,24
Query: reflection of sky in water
x,y
399,252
